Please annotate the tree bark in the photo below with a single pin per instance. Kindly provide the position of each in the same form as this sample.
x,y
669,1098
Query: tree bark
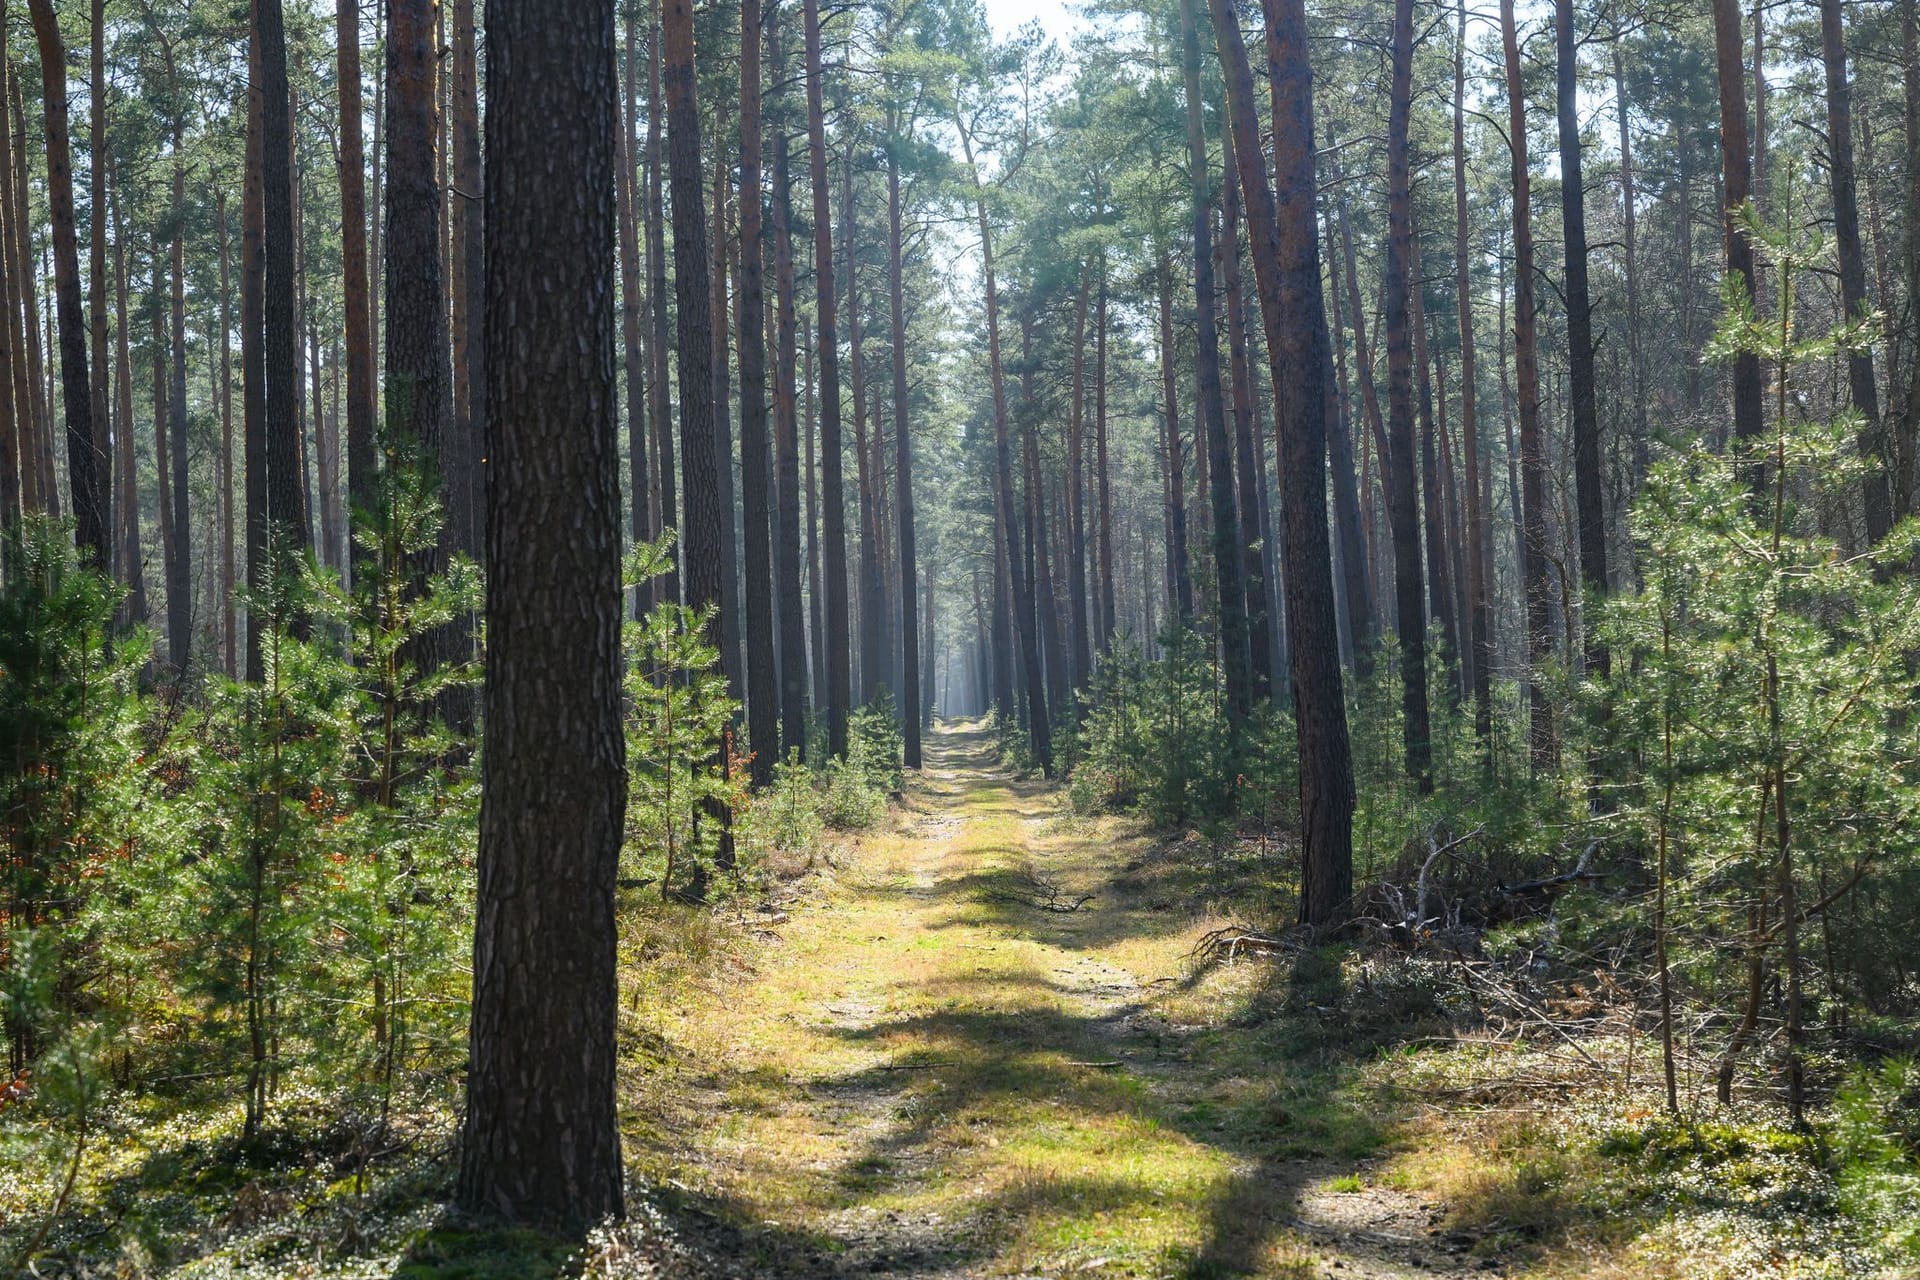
x,y
1736,187
763,696
1285,251
286,495
787,546
1589,487
362,462
1403,510
1209,408
665,506
86,465
838,690
633,269
1877,506
541,1140
1533,459
903,483
466,496
1256,550
1479,622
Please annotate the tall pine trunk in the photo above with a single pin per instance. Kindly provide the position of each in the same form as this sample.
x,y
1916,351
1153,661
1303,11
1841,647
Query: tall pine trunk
x,y
903,482
762,692
541,1141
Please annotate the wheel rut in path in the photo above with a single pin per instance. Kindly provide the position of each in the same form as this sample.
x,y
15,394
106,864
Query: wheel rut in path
x,y
933,1074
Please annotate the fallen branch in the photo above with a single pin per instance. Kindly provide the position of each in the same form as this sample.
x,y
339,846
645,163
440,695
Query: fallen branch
x,y
1227,944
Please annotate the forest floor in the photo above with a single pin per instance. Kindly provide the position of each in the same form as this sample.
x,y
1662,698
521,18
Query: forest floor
x,y
978,1042
977,1048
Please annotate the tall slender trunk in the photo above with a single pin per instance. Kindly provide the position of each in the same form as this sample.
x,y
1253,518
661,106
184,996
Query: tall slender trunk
x,y
786,545
1478,570
664,507
1878,504
1589,490
128,508
1350,525
253,368
903,483
46,482
18,414
180,566
1103,480
286,496
1076,530
762,692
816,589
1403,513
466,506
1285,251
834,643
1630,267
1736,187
1433,504
1256,549
1210,417
1173,471
633,269
97,383
872,657
228,581
356,304
1533,458
86,463
1039,728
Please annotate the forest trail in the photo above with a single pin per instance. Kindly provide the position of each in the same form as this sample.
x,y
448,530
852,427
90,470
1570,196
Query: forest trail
x,y
928,1074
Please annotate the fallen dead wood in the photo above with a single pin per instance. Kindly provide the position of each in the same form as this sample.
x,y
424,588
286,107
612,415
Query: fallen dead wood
x,y
1227,944
1042,895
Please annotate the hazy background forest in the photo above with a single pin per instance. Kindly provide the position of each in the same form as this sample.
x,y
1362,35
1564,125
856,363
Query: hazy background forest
x,y
1184,638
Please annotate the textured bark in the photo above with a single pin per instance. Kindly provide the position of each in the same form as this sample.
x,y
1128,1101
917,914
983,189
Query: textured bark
x,y
466,497
362,480
419,384
763,697
1533,459
903,484
1403,512
86,464
786,544
1877,506
1479,621
28,271
835,641
172,531
540,1140
1589,490
1433,502
286,495
1286,261
1736,187
128,509
1210,419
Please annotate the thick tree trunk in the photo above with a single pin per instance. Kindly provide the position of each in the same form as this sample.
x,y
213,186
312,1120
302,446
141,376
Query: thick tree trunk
x,y
1403,511
541,1140
1286,262
834,643
1533,457
86,465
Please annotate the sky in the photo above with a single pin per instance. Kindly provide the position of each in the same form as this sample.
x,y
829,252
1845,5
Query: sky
x,y
1056,16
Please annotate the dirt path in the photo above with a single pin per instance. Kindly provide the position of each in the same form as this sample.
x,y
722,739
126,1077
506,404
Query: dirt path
x,y
929,1075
